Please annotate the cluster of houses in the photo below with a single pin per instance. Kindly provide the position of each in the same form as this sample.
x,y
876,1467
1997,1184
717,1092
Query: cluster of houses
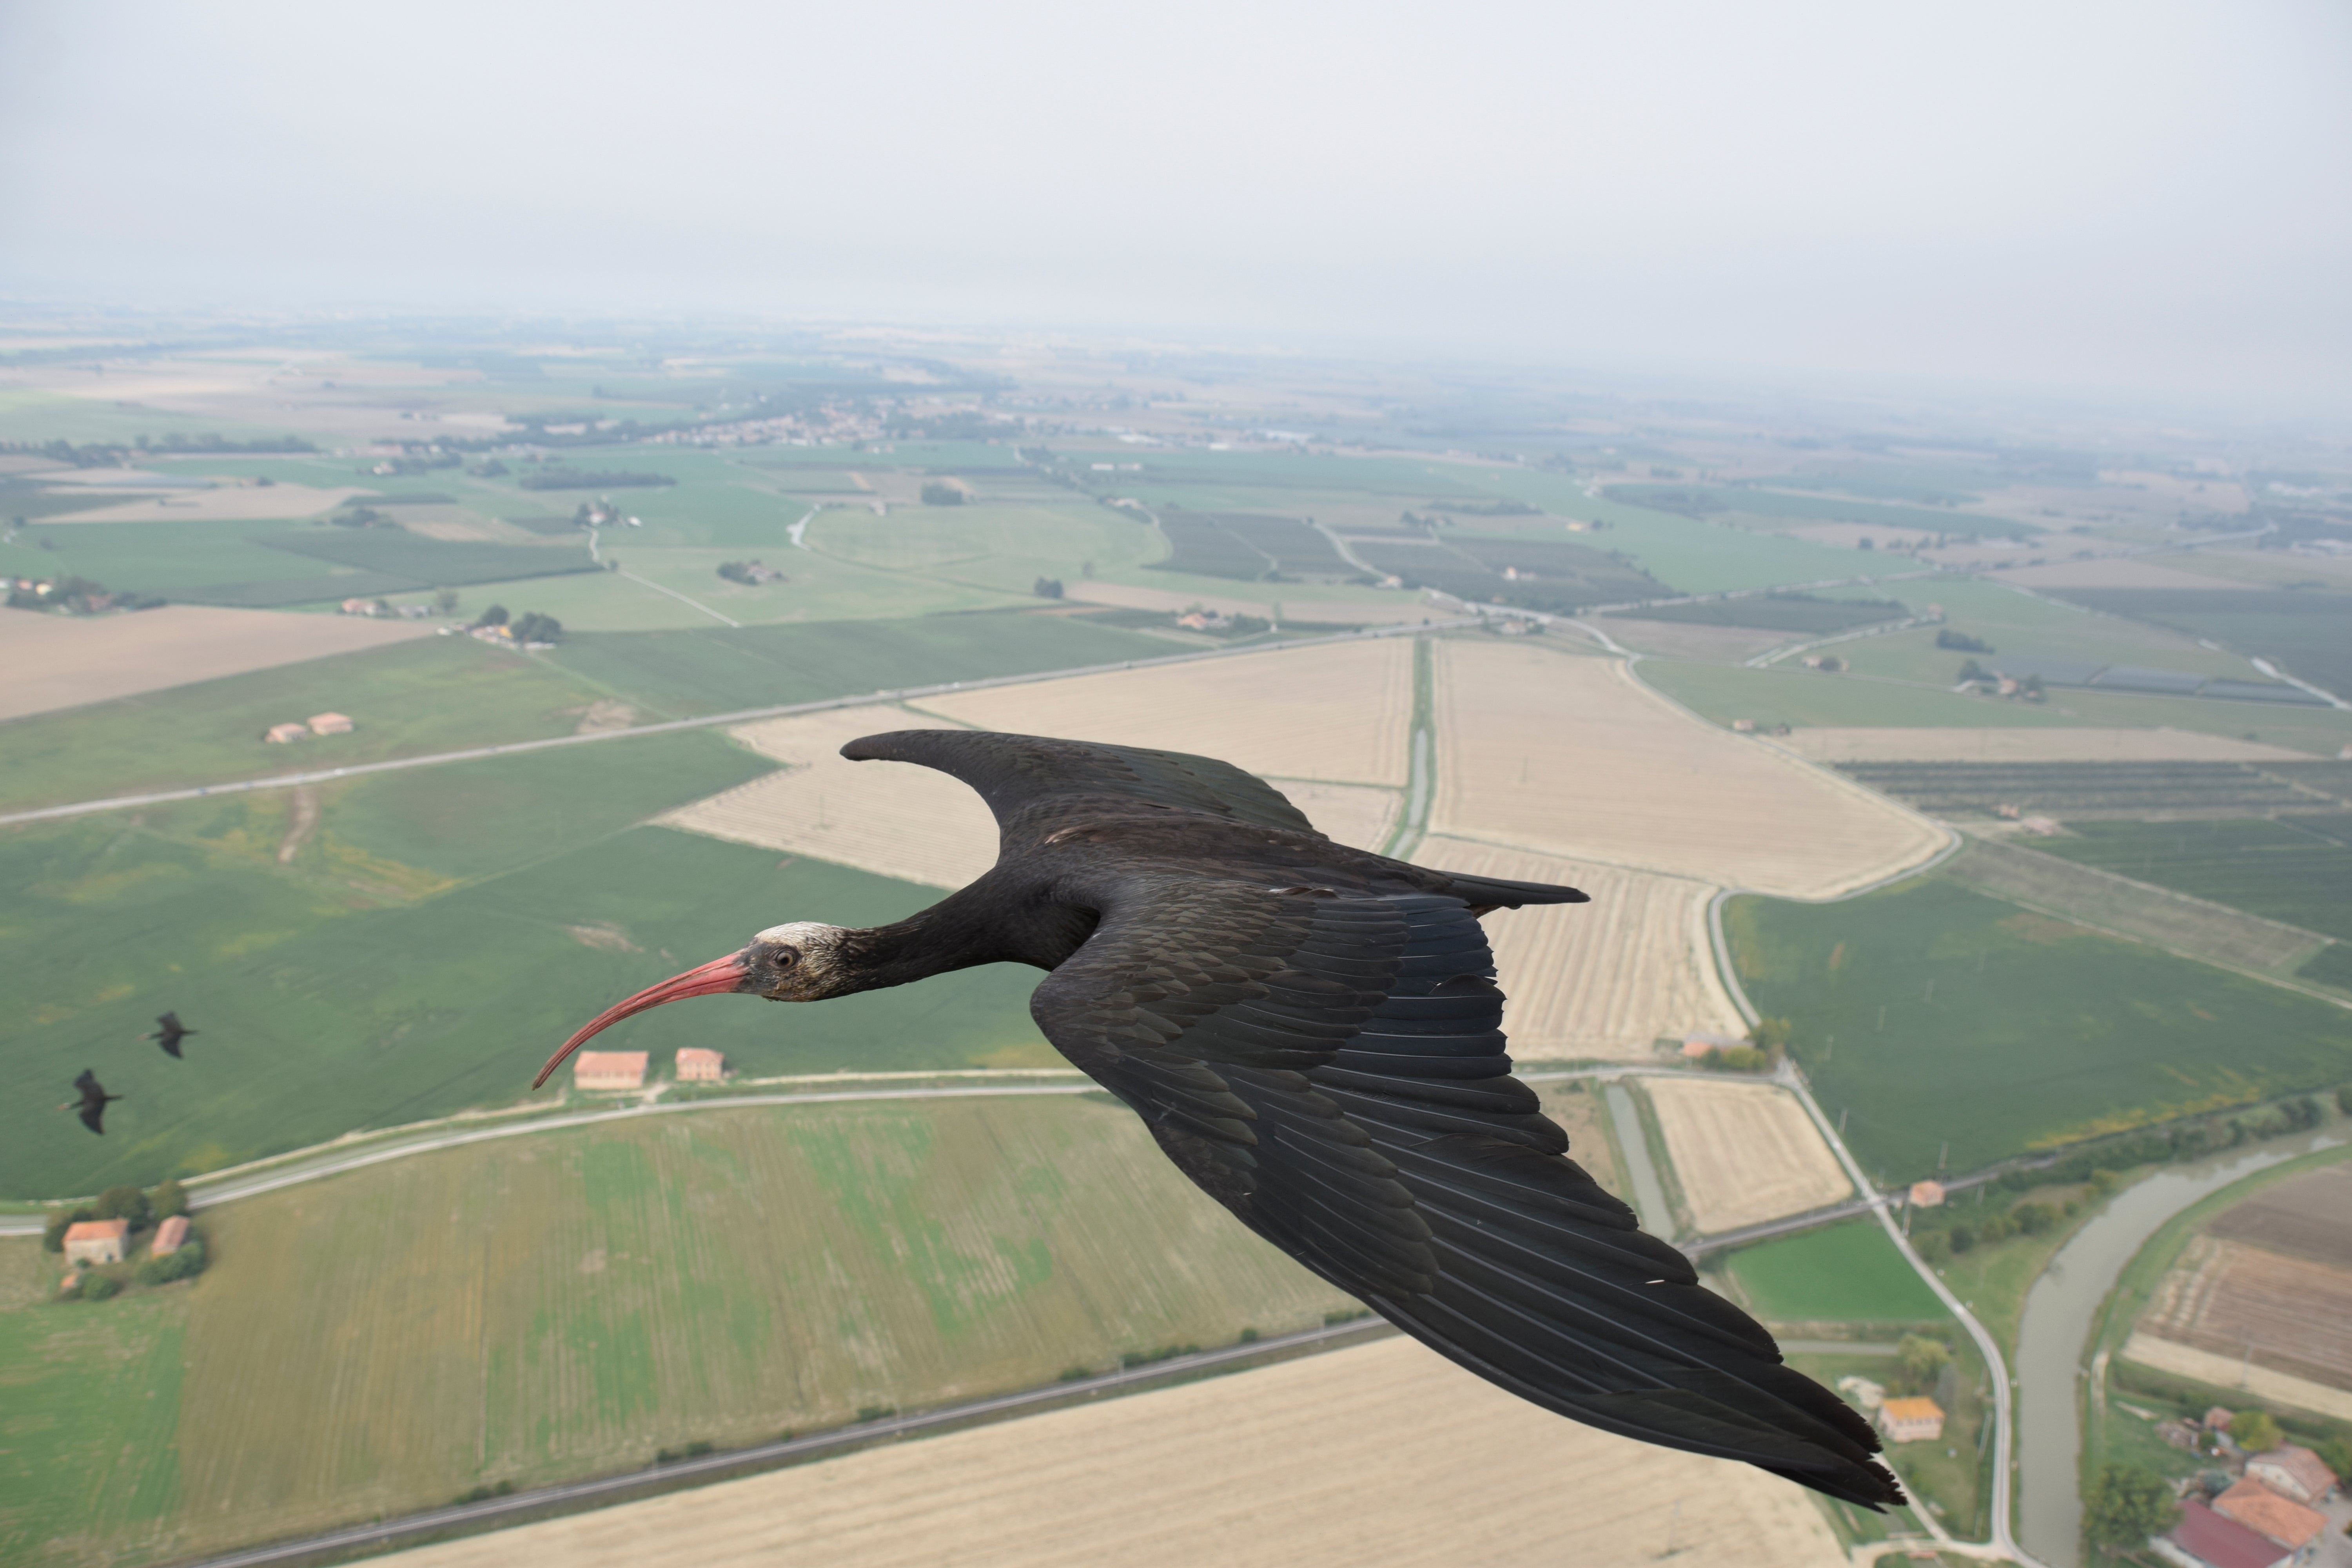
x,y
2259,1511
316,724
95,1241
605,1070
378,607
1900,1418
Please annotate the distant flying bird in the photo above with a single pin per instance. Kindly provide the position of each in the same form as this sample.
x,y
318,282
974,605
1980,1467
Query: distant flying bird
x,y
169,1033
94,1102
1313,1035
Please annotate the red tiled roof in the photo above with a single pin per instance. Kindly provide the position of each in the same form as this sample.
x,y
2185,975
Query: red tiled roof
x,y
2259,1509
2208,1536
98,1230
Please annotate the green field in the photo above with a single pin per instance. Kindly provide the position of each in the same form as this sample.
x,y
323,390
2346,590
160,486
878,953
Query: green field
x,y
2021,624
1781,506
2301,629
1843,1273
430,939
1792,694
438,694
720,670
2295,868
1924,1013
565,1304
1006,548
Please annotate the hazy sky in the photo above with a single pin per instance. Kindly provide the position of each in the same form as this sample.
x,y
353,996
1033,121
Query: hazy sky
x,y
2143,195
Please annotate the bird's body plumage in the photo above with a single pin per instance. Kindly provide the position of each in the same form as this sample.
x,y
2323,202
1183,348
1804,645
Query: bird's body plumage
x,y
1312,1033
94,1101
169,1033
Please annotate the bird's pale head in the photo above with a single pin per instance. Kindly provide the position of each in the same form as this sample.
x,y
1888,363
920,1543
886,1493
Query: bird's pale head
x,y
800,960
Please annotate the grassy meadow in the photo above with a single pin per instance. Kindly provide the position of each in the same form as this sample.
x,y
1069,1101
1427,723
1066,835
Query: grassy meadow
x,y
426,938
1847,1272
1926,1012
2293,869
566,1303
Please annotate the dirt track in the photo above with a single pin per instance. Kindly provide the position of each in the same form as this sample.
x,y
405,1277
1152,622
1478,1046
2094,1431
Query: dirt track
x,y
1384,1455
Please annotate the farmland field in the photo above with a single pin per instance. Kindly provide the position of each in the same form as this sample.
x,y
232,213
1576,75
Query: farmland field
x,y
1790,613
2297,869
1338,712
1573,757
1602,980
366,992
2214,933
2085,790
65,661
2015,746
1294,1463
894,819
431,695
566,1303
1847,1273
1744,1153
2229,1299
720,670
2302,631
1925,1011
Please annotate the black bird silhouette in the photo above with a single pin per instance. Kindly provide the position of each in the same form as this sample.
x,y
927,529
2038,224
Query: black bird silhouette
x,y
94,1102
1313,1035
169,1033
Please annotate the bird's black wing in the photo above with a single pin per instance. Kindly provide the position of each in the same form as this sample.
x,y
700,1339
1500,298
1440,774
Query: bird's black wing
x,y
1016,774
94,1118
1332,1069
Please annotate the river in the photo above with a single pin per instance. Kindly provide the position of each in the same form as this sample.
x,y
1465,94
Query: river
x,y
2056,1331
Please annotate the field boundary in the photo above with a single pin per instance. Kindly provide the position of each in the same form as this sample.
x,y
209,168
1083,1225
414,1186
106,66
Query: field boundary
x,y
543,1502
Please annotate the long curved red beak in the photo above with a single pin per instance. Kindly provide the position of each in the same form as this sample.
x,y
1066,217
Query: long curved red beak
x,y
715,978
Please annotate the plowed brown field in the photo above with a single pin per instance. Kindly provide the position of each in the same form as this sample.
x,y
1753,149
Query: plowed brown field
x,y
1605,979
1574,757
1384,1454
1744,1151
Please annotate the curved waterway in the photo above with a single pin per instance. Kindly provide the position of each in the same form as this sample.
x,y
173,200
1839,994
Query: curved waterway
x,y
2053,1336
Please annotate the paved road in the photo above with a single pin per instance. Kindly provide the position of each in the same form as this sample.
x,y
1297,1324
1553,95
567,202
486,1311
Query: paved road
x,y
744,715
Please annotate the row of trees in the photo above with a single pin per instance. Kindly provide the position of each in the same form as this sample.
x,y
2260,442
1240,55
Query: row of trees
x,y
529,627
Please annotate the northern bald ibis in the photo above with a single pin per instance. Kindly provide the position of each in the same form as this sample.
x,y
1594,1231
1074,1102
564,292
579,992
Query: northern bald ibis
x,y
1313,1034
169,1033
93,1103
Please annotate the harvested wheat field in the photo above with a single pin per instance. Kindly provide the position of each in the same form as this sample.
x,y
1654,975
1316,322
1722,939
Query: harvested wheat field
x,y
1357,814
1338,712
1575,757
1744,1151
2232,1371
64,661
1605,979
2028,745
1382,1454
891,818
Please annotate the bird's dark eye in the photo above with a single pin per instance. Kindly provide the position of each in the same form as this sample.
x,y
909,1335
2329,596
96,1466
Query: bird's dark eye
x,y
786,958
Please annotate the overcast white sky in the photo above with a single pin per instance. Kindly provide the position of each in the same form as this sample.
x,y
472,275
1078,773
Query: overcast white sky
x,y
2143,195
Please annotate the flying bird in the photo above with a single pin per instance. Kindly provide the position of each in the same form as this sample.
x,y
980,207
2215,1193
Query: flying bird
x,y
93,1103
169,1033
1312,1033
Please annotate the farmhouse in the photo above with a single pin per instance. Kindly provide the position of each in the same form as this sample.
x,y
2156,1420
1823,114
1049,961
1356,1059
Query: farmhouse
x,y
696,1065
97,1240
1916,1420
1699,1042
170,1235
2267,1514
1927,1194
609,1070
2293,1472
280,734
330,724
2204,1539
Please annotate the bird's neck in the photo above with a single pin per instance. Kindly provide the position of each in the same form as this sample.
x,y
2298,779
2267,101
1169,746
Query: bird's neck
x,y
965,929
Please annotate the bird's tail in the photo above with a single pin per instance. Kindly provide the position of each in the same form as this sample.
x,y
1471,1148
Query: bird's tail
x,y
1494,892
